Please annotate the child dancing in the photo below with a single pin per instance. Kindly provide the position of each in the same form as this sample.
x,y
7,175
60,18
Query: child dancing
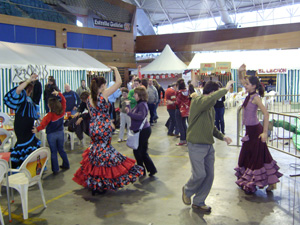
x,y
125,119
54,124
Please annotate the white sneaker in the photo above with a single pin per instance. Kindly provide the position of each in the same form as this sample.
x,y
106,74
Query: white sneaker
x,y
120,140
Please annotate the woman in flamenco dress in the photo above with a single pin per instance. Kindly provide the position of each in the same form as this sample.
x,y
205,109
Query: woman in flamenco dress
x,y
103,167
256,167
26,112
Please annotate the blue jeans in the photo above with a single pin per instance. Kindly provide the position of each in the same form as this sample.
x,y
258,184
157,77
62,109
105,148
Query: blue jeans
x,y
46,106
155,113
151,107
56,144
181,124
172,122
219,119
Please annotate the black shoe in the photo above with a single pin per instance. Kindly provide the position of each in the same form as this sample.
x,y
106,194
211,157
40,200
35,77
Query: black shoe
x,y
64,168
94,192
55,173
152,174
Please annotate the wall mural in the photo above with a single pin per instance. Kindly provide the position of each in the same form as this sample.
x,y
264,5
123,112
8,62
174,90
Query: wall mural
x,y
20,73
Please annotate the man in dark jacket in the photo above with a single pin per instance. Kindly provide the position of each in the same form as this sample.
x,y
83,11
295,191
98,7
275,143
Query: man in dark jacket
x,y
49,88
37,92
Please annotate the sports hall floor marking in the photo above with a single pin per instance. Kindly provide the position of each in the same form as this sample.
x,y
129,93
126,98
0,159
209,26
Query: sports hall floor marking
x,y
30,221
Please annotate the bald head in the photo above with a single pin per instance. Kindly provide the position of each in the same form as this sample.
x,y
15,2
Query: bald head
x,y
150,82
67,88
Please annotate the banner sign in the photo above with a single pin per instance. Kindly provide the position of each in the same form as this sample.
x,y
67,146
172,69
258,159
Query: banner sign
x,y
272,71
111,25
20,73
223,67
161,76
197,73
207,68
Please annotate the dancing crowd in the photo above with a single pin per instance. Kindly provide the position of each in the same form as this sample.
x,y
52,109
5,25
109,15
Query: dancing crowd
x,y
196,116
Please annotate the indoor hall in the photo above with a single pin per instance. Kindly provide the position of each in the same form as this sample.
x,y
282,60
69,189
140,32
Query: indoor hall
x,y
157,200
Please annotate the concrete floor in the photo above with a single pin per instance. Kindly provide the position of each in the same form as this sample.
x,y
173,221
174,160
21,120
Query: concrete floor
x,y
157,200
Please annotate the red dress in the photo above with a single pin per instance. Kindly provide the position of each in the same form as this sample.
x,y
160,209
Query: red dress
x,y
102,166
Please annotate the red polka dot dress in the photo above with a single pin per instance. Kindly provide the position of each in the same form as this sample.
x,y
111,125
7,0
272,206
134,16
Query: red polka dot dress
x,y
103,167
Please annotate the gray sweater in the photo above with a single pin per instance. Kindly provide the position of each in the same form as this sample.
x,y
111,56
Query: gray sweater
x,y
152,94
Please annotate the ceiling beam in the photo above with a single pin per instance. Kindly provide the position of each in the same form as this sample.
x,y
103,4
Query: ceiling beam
x,y
210,12
137,3
186,12
165,12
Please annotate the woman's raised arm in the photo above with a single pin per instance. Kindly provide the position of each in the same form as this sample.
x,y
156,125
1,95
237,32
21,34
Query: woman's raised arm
x,y
109,91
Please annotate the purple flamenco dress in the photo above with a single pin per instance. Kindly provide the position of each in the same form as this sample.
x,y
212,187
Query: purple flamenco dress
x,y
256,167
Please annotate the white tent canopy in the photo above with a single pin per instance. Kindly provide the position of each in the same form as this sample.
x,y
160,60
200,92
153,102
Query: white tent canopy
x,y
166,63
54,58
262,59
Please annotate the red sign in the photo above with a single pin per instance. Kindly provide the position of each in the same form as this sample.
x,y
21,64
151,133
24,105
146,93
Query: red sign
x,y
272,71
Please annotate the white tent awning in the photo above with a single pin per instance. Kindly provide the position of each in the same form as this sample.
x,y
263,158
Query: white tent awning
x,y
261,59
53,58
166,63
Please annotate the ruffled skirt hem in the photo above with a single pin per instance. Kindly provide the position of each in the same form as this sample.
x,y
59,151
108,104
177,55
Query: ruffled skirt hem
x,y
20,152
107,178
249,179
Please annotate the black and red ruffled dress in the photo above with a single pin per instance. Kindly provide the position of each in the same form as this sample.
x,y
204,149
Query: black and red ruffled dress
x,y
103,167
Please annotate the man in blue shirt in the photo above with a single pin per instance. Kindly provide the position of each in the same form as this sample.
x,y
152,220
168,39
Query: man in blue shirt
x,y
72,99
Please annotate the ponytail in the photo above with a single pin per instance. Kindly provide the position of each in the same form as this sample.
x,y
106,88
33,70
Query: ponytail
x,y
95,85
94,91
255,81
261,90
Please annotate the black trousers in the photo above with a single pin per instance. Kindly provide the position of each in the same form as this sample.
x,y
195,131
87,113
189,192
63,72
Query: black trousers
x,y
84,126
141,155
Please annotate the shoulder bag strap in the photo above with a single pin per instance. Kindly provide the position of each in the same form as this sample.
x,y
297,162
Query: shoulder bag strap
x,y
143,123
141,127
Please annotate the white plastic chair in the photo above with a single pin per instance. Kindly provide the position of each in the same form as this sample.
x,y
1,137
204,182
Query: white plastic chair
x,y
239,98
5,118
269,99
42,136
272,95
4,138
72,138
230,100
29,174
3,171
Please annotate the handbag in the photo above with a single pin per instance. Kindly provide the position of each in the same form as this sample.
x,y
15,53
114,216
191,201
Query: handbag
x,y
72,124
133,137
